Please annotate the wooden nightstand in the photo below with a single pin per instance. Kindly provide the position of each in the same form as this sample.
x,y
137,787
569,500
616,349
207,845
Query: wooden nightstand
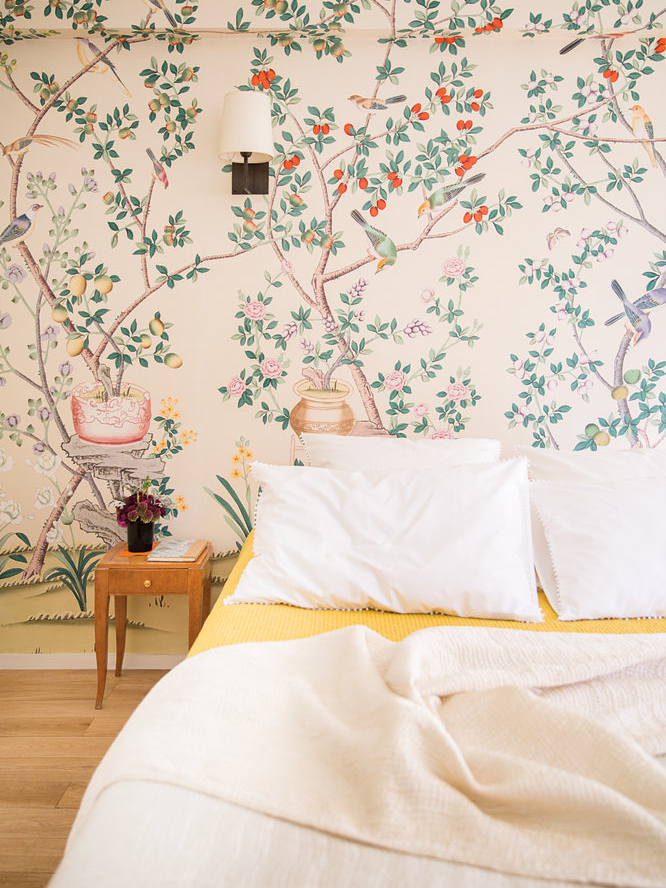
x,y
123,575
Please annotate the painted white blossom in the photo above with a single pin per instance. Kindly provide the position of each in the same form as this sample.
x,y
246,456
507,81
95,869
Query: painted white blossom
x,y
528,159
54,536
45,498
10,512
6,461
46,463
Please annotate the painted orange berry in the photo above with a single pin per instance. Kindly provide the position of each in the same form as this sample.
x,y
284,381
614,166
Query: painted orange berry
x,y
338,174
381,204
316,129
478,93
287,164
475,106
342,188
349,129
325,129
373,211
295,160
396,183
478,216
416,108
392,175
439,40
363,183
459,171
467,217
423,115
270,74
460,125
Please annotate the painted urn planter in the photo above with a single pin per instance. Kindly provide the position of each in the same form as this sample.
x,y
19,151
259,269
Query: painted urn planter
x,y
122,419
323,411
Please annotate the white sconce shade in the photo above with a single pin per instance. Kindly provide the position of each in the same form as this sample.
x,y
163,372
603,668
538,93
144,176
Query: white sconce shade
x,y
246,127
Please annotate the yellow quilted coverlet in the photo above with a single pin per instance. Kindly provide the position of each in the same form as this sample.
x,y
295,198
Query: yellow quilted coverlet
x,y
279,622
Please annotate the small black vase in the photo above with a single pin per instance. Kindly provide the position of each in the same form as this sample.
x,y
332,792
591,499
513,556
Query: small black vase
x,y
140,536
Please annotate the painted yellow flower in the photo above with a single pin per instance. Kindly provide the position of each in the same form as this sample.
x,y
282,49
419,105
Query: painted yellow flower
x,y
248,470
242,451
187,437
235,474
181,504
236,458
168,406
248,454
159,448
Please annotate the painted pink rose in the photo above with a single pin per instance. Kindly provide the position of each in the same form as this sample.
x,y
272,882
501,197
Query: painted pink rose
x,y
441,434
395,380
427,295
457,391
236,386
453,268
255,310
421,409
270,369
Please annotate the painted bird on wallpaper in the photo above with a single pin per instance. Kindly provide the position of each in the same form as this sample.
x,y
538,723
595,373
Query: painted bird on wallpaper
x,y
642,128
370,104
383,247
447,192
20,146
87,51
18,229
159,4
158,169
647,302
638,320
611,35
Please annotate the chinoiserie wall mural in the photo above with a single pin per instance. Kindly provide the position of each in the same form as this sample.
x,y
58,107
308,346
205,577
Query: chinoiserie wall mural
x,y
464,235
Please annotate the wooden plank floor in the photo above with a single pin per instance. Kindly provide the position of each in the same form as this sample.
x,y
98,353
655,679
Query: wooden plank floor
x,y
51,740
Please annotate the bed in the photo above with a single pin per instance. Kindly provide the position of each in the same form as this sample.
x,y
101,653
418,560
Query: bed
x,y
309,746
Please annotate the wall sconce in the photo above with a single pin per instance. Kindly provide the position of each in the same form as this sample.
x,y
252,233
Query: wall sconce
x,y
247,140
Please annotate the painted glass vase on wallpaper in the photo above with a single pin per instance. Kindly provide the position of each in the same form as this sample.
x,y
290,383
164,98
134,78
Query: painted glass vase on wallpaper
x,y
138,513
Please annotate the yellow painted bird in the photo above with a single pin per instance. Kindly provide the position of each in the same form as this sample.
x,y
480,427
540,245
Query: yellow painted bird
x,y
446,193
370,104
159,4
20,146
382,247
642,128
87,51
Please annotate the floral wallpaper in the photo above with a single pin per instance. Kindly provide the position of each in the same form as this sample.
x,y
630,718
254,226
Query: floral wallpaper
x,y
463,235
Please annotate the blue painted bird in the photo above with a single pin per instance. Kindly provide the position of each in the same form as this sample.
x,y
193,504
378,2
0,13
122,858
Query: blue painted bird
x,y
646,302
18,229
383,247
87,51
159,4
447,192
639,321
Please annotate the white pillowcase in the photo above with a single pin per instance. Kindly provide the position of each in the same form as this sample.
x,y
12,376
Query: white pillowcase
x,y
411,542
357,452
607,547
583,465
605,466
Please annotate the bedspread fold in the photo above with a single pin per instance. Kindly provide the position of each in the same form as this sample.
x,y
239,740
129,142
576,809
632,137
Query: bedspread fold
x,y
536,755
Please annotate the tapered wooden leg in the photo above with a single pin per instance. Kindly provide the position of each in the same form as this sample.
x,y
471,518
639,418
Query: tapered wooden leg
x,y
206,595
101,628
195,596
121,628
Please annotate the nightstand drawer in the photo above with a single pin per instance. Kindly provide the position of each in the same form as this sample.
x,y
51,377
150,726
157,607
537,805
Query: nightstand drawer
x,y
148,581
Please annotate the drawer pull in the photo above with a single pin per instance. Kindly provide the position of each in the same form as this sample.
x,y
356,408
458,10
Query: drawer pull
x,y
146,583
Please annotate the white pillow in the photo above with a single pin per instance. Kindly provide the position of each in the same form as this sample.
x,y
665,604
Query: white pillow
x,y
411,542
357,452
607,547
582,466
586,466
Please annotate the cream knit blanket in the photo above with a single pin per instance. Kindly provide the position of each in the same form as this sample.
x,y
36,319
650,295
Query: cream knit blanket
x,y
533,754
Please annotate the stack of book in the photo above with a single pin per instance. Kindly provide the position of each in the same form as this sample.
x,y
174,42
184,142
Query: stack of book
x,y
177,550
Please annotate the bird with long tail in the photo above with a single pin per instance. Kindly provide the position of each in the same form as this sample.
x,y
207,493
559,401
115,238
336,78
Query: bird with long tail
x,y
443,195
159,4
20,227
610,35
158,169
639,322
382,247
20,146
373,104
642,128
87,51
647,302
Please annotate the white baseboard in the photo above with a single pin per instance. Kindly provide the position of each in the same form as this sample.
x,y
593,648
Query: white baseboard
x,y
87,661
